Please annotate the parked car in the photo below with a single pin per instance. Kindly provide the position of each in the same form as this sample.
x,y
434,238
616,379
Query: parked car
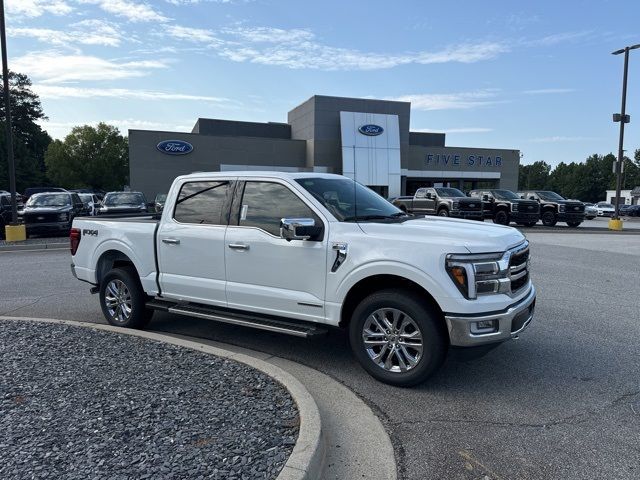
x,y
51,212
297,253
441,201
91,203
123,202
605,209
633,211
590,211
98,193
32,190
554,208
158,203
504,206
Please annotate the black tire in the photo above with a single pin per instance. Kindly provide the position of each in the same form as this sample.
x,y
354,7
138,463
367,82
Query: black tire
x,y
530,224
573,224
501,217
132,295
403,208
549,218
443,212
416,315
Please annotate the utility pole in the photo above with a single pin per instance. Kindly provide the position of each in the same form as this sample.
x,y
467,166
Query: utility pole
x,y
622,117
13,231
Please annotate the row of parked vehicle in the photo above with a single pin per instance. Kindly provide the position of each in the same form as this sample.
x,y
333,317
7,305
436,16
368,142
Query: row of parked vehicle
x,y
51,210
504,206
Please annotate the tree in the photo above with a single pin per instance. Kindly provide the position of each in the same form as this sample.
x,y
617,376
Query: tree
x,y
94,157
30,142
534,176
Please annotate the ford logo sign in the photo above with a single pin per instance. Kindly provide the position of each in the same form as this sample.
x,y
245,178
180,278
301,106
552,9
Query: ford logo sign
x,y
175,147
472,205
371,130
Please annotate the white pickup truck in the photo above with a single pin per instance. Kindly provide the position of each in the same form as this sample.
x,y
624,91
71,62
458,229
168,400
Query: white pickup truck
x,y
299,253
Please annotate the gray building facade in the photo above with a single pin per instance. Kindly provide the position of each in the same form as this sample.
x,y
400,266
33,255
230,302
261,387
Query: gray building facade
x,y
365,139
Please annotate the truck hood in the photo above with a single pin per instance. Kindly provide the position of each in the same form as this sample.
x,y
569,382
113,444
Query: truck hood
x,y
476,237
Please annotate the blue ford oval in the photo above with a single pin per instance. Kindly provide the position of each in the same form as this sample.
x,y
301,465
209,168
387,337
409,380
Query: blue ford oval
x,y
175,147
371,130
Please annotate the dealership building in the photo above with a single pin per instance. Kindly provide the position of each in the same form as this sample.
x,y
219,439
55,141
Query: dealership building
x,y
368,140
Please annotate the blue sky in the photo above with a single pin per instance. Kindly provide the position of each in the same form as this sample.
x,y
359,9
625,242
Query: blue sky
x,y
534,76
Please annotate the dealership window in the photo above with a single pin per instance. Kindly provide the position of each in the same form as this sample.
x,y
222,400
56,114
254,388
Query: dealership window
x,y
264,204
202,203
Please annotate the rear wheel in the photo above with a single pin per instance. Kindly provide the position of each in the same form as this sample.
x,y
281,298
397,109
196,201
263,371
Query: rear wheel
x,y
122,299
443,212
549,218
573,224
397,337
501,217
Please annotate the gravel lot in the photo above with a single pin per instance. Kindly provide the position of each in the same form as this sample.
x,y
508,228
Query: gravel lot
x,y
77,403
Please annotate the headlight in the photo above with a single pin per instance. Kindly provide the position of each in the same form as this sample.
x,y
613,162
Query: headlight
x,y
514,207
477,275
63,217
562,208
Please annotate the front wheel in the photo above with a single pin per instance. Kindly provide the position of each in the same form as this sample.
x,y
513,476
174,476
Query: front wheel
x,y
549,218
501,218
397,337
123,300
443,212
573,224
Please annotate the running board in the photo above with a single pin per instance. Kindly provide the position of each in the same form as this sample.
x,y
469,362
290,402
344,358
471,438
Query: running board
x,y
271,324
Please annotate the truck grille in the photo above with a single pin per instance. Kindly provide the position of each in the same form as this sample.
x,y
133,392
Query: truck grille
x,y
41,218
471,206
528,207
519,267
574,208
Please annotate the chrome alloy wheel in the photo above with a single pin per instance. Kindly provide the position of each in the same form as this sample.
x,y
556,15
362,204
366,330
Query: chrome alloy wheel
x,y
117,299
392,339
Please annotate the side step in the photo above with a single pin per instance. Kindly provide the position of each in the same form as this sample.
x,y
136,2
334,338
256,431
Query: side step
x,y
272,324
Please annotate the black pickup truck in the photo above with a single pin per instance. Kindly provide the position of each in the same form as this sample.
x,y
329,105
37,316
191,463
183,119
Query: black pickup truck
x,y
505,206
442,201
554,208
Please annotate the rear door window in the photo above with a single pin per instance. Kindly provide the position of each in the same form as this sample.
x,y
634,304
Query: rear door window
x,y
203,203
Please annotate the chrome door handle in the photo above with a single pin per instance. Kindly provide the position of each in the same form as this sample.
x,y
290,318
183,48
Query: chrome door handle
x,y
171,241
238,246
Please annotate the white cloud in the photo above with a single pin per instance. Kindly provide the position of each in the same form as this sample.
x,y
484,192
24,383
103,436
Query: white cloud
x,y
86,32
198,35
54,67
37,8
54,92
450,101
559,138
454,130
60,129
129,9
544,91
557,38
299,49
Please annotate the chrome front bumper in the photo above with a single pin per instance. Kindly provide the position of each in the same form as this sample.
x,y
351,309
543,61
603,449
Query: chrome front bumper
x,y
511,322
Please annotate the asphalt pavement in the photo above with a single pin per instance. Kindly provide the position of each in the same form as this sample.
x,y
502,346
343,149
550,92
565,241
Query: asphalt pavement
x,y
563,401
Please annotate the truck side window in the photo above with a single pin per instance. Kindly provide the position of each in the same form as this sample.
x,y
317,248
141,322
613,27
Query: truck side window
x,y
202,203
420,193
264,204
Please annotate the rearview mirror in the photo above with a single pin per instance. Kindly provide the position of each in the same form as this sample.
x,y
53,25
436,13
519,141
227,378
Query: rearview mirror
x,y
297,228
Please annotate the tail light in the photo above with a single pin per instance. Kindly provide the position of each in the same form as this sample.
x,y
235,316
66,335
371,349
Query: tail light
x,y
74,240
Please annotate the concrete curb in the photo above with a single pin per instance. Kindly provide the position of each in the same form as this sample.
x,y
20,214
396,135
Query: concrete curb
x,y
306,461
16,247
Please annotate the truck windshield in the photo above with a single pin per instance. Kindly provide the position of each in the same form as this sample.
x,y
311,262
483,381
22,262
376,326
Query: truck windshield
x,y
349,201
505,195
549,196
449,192
49,200
125,198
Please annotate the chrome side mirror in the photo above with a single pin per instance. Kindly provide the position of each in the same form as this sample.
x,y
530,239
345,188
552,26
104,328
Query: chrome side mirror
x,y
296,228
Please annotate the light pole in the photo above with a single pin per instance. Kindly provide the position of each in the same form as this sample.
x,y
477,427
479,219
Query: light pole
x,y
14,232
623,118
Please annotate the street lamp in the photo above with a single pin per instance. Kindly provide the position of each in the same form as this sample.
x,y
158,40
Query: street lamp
x,y
623,118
